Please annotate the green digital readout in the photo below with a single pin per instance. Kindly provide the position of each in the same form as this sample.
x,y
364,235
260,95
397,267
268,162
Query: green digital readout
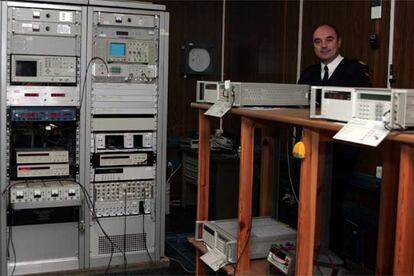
x,y
375,97
115,70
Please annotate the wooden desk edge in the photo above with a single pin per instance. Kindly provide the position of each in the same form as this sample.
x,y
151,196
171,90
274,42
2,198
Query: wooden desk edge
x,y
257,267
300,117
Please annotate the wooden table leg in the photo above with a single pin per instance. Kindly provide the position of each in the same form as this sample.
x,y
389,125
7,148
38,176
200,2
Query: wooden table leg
x,y
388,209
203,178
404,236
245,194
266,172
321,192
307,203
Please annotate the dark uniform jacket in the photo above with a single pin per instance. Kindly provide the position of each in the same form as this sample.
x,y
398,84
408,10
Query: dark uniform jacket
x,y
349,72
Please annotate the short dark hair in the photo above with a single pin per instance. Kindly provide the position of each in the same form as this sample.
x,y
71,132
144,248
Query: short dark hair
x,y
338,36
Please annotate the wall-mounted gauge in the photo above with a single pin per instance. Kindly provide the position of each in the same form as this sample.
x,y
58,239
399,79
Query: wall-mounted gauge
x,y
198,59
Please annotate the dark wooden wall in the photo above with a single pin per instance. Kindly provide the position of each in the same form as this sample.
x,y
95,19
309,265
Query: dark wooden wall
x,y
403,58
197,21
261,43
353,20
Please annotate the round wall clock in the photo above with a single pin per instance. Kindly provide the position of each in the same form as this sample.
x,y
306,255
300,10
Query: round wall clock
x,y
198,59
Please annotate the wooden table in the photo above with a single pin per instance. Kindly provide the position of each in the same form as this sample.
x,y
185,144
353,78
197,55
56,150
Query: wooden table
x,y
395,247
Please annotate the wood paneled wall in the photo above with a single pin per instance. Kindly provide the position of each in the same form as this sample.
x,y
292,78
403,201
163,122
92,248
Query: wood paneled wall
x,y
403,58
353,20
263,40
261,46
197,21
261,43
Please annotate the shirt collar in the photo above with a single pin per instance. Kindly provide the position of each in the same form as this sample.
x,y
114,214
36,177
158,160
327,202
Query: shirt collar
x,y
332,65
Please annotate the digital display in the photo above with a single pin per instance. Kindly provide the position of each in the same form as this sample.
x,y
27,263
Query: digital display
x,y
138,141
117,49
26,68
115,70
375,97
338,95
211,86
208,230
114,141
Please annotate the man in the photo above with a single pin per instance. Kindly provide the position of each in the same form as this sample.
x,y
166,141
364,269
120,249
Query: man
x,y
333,69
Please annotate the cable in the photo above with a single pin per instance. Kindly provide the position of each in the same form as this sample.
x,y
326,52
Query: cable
x,y
125,227
11,184
331,262
289,173
143,229
86,75
233,94
147,79
94,192
181,264
89,205
10,242
315,260
387,123
14,251
174,172
108,267
293,168
218,141
93,211
244,246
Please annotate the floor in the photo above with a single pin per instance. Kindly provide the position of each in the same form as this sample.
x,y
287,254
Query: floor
x,y
179,255
179,224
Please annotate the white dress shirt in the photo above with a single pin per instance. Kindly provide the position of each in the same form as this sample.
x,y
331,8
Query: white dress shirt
x,y
331,66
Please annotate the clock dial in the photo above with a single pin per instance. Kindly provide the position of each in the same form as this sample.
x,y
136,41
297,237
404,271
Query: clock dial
x,y
199,59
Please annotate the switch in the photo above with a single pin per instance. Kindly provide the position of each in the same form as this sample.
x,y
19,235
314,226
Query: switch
x,y
378,172
19,195
55,193
373,41
36,14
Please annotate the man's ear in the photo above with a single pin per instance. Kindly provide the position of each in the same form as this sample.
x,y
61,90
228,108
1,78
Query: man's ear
x,y
339,42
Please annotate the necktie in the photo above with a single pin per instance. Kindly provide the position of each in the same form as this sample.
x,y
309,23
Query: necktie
x,y
325,75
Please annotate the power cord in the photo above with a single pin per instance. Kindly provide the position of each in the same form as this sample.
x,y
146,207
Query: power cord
x,y
218,141
10,242
232,94
86,76
289,172
93,203
89,204
125,227
88,201
244,247
10,185
181,265
143,230
174,172
95,217
387,123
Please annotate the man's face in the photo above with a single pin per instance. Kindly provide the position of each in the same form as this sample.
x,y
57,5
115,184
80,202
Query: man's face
x,y
326,44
